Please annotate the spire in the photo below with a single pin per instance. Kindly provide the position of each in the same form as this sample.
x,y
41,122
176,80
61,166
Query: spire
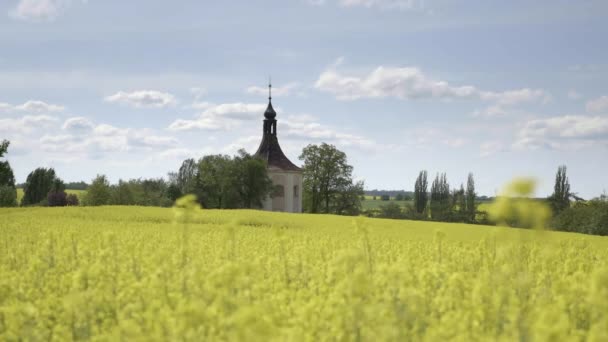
x,y
270,114
269,89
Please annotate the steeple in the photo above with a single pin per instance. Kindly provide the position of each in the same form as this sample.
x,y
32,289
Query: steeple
x,y
269,149
270,123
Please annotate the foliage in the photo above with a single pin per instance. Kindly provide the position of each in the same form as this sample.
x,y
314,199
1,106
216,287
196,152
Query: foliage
x,y
440,202
251,181
560,199
38,184
125,273
185,178
99,192
584,217
421,192
8,196
391,210
385,198
8,193
327,175
57,199
76,185
347,200
470,196
72,200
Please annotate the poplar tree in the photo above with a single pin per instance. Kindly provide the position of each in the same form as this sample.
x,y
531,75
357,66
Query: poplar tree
x,y
560,199
421,192
471,206
440,198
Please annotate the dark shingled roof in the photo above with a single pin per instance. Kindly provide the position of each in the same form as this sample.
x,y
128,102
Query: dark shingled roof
x,y
270,150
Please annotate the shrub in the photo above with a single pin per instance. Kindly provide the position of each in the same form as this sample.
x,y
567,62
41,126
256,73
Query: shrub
x,y
587,218
57,199
385,198
8,196
72,200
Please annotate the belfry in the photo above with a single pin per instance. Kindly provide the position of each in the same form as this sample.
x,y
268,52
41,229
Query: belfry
x,y
286,176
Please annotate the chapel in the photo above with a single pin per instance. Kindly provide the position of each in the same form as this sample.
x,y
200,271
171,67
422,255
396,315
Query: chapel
x,y
286,176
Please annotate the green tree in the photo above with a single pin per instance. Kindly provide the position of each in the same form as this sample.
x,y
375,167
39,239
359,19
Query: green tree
x,y
214,182
122,194
471,195
252,182
326,174
421,192
560,199
38,185
8,193
348,199
440,198
99,192
186,176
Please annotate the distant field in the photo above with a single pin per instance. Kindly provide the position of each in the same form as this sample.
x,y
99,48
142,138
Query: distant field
x,y
78,193
375,204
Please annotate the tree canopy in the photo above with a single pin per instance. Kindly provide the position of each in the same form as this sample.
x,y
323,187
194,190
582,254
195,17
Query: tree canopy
x,y
328,183
38,184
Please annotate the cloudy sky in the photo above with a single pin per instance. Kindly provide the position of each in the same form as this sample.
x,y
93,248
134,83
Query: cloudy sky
x,y
131,88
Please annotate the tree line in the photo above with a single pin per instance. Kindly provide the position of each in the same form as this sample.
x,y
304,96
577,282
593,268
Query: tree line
x,y
241,181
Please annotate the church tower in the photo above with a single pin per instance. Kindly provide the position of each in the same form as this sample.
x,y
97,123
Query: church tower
x,y
286,176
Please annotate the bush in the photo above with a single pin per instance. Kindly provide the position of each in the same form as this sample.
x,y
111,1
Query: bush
x,y
385,198
8,196
587,218
72,200
391,210
57,199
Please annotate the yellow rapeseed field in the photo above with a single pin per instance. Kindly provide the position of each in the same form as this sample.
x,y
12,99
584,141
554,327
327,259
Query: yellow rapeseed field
x,y
151,274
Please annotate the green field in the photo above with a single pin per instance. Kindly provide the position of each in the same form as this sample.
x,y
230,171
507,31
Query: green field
x,y
375,204
79,193
124,273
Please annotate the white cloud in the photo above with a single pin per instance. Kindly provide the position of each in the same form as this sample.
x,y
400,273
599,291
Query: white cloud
x,y
490,148
32,107
143,99
285,90
491,111
151,141
411,83
26,123
85,139
78,124
221,117
563,131
40,10
305,127
598,105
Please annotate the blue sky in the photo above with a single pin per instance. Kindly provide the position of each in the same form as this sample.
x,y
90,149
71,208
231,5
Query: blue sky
x,y
131,88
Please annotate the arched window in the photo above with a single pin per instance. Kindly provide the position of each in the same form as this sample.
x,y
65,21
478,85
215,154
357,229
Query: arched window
x,y
279,191
296,191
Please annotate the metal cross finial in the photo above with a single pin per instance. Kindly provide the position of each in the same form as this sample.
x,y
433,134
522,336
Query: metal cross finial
x,y
269,89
